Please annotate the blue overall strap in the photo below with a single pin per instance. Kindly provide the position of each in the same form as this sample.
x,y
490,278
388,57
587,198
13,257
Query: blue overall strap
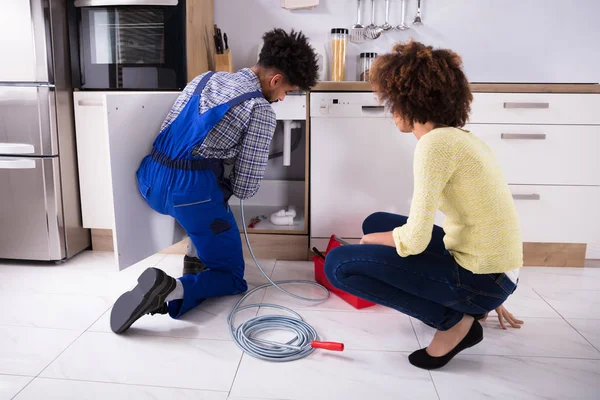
x,y
246,96
202,84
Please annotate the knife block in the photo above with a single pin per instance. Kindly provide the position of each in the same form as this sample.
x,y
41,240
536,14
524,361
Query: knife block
x,y
223,62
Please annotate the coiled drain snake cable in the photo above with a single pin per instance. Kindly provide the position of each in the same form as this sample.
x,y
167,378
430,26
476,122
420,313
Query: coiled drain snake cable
x,y
247,334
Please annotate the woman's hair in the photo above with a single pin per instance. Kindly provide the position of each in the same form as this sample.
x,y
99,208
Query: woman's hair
x,y
423,85
292,55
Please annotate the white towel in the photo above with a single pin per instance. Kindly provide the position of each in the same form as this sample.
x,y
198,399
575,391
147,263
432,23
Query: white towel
x,y
299,4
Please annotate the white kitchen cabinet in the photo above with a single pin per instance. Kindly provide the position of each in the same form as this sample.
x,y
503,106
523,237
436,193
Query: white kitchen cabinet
x,y
115,131
546,143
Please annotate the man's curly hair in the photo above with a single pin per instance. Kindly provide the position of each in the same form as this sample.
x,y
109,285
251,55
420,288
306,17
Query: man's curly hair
x,y
292,55
423,85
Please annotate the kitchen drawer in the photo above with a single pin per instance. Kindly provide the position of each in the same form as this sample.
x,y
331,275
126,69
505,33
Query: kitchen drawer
x,y
544,154
558,214
535,108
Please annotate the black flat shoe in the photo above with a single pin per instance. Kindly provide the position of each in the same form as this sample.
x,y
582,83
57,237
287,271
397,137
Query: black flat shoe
x,y
192,265
147,297
421,359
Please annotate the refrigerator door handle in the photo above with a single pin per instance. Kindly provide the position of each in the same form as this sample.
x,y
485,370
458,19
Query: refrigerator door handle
x,y
16,148
17,163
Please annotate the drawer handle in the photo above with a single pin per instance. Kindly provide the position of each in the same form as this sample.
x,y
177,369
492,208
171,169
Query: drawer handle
x,y
90,103
526,105
533,196
373,108
523,136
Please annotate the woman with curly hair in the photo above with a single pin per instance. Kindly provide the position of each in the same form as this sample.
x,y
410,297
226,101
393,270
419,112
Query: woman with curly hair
x,y
446,277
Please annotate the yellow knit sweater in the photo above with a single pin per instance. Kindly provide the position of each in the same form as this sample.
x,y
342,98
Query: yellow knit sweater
x,y
458,173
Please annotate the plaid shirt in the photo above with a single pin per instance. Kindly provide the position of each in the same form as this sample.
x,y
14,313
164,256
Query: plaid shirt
x,y
243,135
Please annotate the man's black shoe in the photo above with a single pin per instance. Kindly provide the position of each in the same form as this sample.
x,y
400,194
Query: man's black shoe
x,y
193,265
147,297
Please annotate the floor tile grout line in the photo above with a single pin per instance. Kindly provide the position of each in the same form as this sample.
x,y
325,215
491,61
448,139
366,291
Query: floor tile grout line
x,y
40,327
50,363
61,353
19,375
237,370
33,378
564,319
410,319
434,385
133,334
130,384
581,334
71,344
414,331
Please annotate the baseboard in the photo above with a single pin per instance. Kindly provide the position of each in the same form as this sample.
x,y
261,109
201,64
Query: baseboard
x,y
296,248
554,254
265,246
102,240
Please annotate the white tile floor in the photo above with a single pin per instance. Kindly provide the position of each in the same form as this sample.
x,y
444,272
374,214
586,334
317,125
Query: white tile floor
x,y
55,342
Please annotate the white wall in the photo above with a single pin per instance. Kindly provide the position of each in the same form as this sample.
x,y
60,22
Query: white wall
x,y
499,40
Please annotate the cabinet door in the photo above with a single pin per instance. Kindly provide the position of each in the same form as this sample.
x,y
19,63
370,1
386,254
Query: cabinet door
x,y
133,121
93,160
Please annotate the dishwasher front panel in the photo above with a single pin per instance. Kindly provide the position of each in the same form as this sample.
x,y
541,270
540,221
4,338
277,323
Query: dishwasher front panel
x,y
360,164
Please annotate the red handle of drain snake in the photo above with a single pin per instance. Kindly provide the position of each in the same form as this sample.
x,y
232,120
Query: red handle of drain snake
x,y
331,346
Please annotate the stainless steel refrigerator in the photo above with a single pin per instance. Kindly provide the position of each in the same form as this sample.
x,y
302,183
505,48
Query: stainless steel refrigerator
x,y
40,214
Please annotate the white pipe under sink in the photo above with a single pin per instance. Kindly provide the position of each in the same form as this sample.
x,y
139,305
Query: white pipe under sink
x,y
288,125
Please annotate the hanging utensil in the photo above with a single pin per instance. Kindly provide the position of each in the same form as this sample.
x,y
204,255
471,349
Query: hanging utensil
x,y
387,27
403,26
357,33
373,31
418,20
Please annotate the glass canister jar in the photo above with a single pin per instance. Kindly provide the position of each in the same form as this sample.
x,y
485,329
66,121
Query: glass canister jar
x,y
339,42
364,65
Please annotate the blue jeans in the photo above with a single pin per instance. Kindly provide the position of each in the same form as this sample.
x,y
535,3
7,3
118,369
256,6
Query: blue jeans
x,y
430,286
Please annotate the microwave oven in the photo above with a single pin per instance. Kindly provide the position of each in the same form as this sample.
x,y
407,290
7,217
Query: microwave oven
x,y
128,44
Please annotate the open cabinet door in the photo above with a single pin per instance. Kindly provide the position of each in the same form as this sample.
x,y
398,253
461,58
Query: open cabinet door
x,y
134,120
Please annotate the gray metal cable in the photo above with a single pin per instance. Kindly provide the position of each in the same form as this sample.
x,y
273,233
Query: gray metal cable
x,y
247,335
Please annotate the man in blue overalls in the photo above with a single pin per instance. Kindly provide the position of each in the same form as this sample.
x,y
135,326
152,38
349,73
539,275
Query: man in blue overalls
x,y
219,116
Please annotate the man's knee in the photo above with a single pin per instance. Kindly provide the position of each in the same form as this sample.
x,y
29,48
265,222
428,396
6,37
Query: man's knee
x,y
219,226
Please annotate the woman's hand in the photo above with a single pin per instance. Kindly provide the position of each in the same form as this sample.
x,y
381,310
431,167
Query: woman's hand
x,y
384,238
503,314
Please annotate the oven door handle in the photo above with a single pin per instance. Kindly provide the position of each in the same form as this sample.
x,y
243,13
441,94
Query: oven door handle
x,y
121,3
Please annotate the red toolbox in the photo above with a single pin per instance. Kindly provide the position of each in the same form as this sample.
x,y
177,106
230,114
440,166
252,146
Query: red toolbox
x,y
320,277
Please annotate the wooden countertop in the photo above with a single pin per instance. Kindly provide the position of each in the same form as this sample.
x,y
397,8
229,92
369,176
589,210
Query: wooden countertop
x,y
475,87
